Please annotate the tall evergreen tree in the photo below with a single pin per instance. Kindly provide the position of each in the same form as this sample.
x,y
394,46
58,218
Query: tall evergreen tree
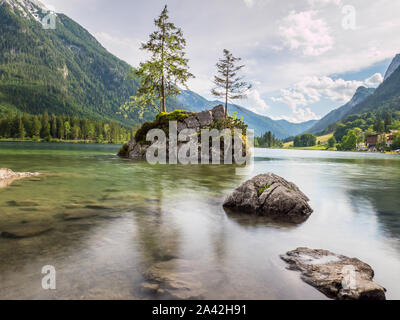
x,y
227,82
45,132
36,127
164,71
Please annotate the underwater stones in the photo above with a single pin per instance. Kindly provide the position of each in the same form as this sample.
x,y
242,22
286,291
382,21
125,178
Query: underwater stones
x,y
23,203
272,196
337,276
26,230
173,279
76,214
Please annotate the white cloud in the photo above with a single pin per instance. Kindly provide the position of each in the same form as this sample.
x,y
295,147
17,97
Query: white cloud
x,y
374,81
249,3
305,32
313,89
255,103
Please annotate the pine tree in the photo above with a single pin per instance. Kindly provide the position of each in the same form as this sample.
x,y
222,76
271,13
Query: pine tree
x,y
166,69
26,119
36,127
21,129
227,83
53,126
45,132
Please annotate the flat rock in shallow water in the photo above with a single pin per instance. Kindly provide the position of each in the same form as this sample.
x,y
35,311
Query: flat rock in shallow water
x,y
272,196
7,176
26,230
338,277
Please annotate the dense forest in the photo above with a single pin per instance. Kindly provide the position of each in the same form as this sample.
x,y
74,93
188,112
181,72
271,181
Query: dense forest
x,y
268,140
61,128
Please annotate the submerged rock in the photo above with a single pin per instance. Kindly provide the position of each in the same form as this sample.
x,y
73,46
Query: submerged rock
x,y
26,230
336,276
7,176
23,203
75,214
173,279
272,196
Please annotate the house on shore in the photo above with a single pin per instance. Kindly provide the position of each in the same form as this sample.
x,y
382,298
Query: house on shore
x,y
372,141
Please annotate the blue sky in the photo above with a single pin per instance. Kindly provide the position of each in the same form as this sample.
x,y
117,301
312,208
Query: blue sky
x,y
303,57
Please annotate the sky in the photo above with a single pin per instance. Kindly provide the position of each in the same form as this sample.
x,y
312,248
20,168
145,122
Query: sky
x,y
304,58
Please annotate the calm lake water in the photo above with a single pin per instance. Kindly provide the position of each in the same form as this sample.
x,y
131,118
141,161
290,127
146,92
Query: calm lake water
x,y
174,213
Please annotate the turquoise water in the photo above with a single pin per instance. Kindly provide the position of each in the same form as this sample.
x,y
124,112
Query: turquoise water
x,y
161,213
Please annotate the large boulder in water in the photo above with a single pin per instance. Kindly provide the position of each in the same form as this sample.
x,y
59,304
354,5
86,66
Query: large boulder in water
x,y
337,276
272,196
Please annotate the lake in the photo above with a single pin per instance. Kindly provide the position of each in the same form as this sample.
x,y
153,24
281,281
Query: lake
x,y
174,215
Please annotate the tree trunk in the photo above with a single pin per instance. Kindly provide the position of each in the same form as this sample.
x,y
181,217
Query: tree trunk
x,y
226,97
163,107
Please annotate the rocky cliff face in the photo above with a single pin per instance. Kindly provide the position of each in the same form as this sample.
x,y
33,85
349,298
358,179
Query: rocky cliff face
x,y
393,66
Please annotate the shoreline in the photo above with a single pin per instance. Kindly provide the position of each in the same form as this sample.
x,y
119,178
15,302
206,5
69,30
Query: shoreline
x,y
61,141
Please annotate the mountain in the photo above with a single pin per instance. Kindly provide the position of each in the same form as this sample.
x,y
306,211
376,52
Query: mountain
x,y
260,124
385,97
336,115
67,71
393,66
63,71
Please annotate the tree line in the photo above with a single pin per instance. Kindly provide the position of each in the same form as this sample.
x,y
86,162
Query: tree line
x,y
57,128
268,140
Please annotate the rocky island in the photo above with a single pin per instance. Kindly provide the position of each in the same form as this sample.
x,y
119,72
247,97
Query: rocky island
x,y
208,119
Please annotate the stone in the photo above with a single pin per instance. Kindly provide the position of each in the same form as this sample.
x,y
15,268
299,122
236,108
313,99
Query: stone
x,y
205,118
136,153
337,276
26,230
192,122
181,126
218,112
7,176
23,203
272,196
176,279
76,214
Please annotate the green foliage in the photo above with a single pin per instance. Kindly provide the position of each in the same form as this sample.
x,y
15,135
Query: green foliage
x,y
163,72
262,189
36,128
305,140
349,142
161,122
268,140
332,142
227,84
